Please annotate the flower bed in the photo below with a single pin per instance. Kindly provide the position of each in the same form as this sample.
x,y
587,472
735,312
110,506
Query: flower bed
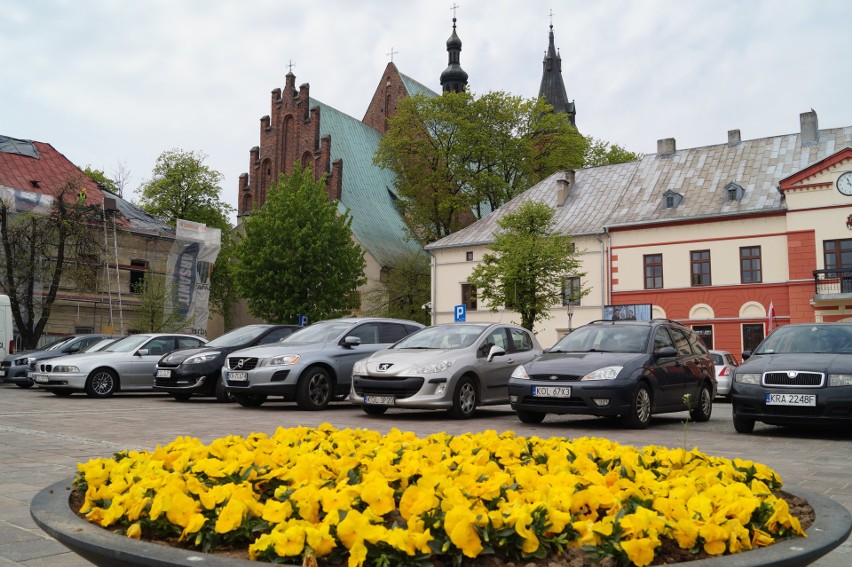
x,y
359,496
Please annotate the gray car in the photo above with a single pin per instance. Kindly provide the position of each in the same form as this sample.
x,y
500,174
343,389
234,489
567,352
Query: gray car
x,y
312,366
457,367
125,365
20,366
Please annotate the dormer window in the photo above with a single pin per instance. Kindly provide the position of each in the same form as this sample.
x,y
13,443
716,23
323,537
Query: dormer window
x,y
733,192
672,199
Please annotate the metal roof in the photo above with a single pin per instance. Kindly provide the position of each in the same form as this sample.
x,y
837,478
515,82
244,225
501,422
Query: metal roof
x,y
633,193
367,188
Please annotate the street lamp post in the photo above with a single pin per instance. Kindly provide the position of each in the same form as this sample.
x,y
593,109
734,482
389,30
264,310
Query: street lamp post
x,y
570,309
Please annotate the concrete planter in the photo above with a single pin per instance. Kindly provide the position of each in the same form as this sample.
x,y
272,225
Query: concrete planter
x,y
51,511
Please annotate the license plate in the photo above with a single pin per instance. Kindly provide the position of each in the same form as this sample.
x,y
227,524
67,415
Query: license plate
x,y
39,378
791,400
379,400
238,376
551,391
164,373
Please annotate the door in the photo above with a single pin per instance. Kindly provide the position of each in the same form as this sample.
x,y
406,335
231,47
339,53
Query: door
x,y
495,373
142,366
669,370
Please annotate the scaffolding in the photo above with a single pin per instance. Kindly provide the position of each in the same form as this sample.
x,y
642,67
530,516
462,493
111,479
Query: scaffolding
x,y
110,211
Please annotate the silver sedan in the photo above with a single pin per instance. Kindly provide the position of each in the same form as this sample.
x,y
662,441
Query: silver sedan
x,y
125,365
457,366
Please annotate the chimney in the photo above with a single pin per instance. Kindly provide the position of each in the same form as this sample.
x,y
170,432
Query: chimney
x,y
810,127
276,95
265,122
734,137
666,146
563,187
255,155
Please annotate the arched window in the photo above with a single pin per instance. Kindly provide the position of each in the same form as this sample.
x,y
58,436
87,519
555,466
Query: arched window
x,y
246,202
308,162
265,180
286,144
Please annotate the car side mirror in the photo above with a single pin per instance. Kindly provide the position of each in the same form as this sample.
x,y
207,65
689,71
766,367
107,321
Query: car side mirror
x,y
495,351
665,352
746,354
351,341
142,352
73,349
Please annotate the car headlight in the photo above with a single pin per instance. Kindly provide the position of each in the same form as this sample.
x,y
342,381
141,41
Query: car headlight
x,y
65,369
283,360
605,373
360,367
520,373
747,378
203,357
840,379
434,367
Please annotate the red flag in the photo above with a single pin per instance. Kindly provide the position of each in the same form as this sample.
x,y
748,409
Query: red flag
x,y
770,323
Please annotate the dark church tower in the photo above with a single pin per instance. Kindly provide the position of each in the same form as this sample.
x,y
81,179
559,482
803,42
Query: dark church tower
x,y
454,79
552,88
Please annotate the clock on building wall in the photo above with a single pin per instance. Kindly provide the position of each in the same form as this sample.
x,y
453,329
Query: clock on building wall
x,y
844,183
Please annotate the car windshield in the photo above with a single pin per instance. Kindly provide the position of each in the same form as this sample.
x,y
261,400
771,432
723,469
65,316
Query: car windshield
x,y
237,337
100,345
318,332
127,344
56,344
442,337
824,338
605,338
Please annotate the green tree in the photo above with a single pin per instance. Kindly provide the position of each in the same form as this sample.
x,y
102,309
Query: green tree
x,y
183,187
457,157
599,152
41,249
528,266
100,177
297,255
404,289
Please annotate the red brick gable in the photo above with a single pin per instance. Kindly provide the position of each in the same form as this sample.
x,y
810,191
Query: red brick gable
x,y
385,100
45,174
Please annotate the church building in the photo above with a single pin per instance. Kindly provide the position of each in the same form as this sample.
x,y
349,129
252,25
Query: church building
x,y
302,129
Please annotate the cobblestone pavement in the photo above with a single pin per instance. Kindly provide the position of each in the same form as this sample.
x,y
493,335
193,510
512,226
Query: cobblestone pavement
x,y
42,437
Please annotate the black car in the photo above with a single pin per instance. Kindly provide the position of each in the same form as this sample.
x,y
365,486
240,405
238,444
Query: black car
x,y
197,371
631,369
799,374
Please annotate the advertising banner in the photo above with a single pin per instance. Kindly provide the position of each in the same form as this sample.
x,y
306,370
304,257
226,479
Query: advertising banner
x,y
191,264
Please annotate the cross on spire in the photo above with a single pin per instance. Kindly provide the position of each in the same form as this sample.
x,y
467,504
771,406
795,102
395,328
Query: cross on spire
x,y
392,53
454,8
551,18
290,66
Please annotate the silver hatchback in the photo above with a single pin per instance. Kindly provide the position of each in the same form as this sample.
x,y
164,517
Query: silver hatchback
x,y
456,366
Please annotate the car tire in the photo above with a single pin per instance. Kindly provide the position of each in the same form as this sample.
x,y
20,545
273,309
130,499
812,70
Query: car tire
x,y
531,416
101,383
743,424
374,410
181,397
61,392
704,406
640,408
250,400
26,384
464,399
222,394
314,389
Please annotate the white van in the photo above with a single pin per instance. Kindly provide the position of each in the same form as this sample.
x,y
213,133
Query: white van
x,y
7,334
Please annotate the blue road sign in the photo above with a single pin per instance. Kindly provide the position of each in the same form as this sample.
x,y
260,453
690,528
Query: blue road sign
x,y
461,313
303,320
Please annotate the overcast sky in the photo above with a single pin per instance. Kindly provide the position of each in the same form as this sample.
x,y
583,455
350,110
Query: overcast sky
x,y
111,82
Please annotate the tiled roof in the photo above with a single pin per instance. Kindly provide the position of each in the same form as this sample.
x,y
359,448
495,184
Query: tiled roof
x,y
632,193
376,222
19,169
44,174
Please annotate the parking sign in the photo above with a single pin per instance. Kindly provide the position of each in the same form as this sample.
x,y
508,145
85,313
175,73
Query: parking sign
x,y
461,312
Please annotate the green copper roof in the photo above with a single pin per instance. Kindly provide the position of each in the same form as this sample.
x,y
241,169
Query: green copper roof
x,y
376,222
412,87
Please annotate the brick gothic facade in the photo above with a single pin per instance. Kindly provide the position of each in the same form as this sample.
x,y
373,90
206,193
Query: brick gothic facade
x,y
290,134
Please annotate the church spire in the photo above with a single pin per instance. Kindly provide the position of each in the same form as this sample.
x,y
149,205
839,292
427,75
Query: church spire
x,y
552,87
454,78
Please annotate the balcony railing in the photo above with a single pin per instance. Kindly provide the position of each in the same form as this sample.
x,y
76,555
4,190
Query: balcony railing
x,y
833,282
